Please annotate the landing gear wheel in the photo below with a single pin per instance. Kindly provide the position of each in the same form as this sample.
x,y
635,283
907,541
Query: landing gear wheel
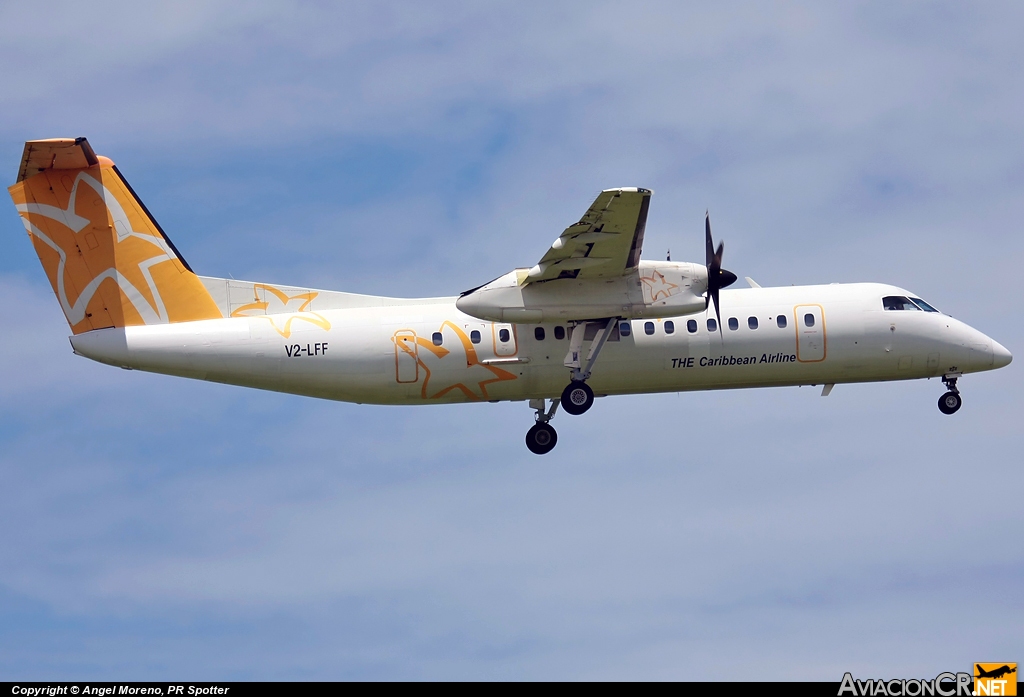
x,y
950,402
577,397
541,439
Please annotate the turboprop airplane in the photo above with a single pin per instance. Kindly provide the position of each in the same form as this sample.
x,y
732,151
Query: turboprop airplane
x,y
591,318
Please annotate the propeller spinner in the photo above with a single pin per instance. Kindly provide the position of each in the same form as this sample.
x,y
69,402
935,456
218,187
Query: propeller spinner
x,y
718,277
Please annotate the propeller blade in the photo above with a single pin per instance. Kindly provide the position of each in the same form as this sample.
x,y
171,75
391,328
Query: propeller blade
x,y
709,246
718,313
718,277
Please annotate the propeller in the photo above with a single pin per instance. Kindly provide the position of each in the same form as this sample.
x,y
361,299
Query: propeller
x,y
718,277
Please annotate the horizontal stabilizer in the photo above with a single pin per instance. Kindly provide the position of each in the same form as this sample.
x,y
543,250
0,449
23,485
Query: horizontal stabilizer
x,y
55,153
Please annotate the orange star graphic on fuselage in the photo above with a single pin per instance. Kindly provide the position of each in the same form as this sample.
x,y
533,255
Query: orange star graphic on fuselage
x,y
279,303
443,377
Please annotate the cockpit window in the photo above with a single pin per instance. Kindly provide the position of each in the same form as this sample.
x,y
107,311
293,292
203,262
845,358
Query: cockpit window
x,y
898,302
923,305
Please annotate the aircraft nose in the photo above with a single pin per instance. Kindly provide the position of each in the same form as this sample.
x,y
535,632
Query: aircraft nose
x,y
1000,356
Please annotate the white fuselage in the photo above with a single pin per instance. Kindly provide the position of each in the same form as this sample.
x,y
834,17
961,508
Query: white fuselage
x,y
389,354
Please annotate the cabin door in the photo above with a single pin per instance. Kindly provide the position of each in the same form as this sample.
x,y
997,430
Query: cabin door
x,y
810,333
504,336
407,364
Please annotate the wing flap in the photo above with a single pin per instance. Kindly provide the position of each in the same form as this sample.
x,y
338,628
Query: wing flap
x,y
606,242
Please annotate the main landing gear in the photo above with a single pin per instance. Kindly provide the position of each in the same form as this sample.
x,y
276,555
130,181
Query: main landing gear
x,y
950,402
541,438
577,397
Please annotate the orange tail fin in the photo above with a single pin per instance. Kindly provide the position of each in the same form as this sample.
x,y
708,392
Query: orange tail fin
x,y
107,259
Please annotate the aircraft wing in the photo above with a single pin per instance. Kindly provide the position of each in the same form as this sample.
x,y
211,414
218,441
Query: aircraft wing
x,y
605,242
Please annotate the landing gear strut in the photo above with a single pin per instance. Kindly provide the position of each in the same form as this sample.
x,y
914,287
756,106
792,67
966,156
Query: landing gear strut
x,y
950,402
577,397
541,438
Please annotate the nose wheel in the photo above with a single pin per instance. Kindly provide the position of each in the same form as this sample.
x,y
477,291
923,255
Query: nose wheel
x,y
950,402
541,438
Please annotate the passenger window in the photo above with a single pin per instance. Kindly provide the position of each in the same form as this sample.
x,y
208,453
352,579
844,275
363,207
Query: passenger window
x,y
538,333
781,321
808,320
648,328
503,336
474,336
712,325
624,329
437,338
691,326
559,333
734,323
752,322
670,326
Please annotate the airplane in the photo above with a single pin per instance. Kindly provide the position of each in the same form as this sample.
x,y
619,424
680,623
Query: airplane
x,y
995,673
590,319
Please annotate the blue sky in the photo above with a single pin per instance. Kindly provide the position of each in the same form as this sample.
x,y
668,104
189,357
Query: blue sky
x,y
157,528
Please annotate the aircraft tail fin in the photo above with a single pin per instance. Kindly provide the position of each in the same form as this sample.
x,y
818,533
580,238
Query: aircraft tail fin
x,y
109,262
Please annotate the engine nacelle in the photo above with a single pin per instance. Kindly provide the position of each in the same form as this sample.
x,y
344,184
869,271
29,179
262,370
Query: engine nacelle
x,y
655,289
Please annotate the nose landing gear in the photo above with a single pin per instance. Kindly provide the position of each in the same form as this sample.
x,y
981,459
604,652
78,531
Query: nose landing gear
x,y
950,402
541,438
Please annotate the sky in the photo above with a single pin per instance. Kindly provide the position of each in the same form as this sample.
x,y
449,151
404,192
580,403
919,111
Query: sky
x,y
159,528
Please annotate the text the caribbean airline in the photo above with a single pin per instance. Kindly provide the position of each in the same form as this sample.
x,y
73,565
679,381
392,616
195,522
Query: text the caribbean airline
x,y
591,318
